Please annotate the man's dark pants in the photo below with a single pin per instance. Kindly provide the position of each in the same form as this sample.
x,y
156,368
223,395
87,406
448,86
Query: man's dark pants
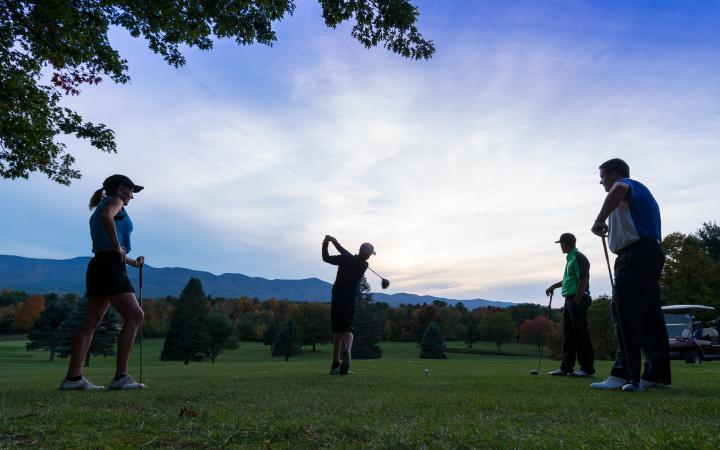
x,y
636,298
576,338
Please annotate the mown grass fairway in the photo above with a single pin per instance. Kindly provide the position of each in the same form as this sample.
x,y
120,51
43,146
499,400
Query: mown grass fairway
x,y
248,399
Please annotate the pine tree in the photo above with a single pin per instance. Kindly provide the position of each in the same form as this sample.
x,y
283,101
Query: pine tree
x,y
220,331
188,338
288,341
472,334
43,334
104,339
432,345
369,324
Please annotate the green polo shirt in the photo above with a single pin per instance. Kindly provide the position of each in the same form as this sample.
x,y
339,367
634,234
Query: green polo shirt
x,y
577,267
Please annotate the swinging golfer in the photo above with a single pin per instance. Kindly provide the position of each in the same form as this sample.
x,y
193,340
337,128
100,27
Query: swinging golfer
x,y
633,229
351,269
107,283
576,290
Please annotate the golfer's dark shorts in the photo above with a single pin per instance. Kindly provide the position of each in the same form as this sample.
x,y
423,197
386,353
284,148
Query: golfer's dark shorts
x,y
342,309
106,275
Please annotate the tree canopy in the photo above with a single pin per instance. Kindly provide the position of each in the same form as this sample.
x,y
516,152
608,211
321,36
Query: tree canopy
x,y
690,275
51,48
497,327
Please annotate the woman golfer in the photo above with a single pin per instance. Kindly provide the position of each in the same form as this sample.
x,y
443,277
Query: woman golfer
x,y
108,284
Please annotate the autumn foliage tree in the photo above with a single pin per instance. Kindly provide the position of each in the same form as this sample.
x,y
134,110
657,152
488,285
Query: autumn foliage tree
x,y
422,317
535,331
29,311
44,335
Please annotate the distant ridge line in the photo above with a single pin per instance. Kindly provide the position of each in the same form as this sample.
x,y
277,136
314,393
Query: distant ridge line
x,y
42,276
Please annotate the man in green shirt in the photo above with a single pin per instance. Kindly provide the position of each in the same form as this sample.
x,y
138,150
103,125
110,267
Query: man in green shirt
x,y
576,290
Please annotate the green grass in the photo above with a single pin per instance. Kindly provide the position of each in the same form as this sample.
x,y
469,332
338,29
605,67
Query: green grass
x,y
249,400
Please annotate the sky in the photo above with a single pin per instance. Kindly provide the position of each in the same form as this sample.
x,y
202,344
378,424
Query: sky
x,y
462,170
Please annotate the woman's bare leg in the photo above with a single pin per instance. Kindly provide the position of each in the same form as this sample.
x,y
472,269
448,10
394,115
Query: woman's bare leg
x,y
94,313
127,305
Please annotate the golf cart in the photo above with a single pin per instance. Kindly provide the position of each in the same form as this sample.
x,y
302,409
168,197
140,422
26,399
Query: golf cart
x,y
693,332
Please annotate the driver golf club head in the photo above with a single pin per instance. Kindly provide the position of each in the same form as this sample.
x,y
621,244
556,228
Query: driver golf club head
x,y
533,372
385,283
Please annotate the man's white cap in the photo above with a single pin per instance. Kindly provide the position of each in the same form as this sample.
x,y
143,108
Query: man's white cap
x,y
367,249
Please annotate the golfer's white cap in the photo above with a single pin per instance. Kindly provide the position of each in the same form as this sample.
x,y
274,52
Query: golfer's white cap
x,y
367,249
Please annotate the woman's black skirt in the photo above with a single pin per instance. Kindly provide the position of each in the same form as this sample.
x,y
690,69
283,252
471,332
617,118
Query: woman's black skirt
x,y
106,275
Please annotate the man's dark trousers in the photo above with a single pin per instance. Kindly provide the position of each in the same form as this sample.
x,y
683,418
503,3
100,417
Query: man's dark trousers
x,y
576,338
637,299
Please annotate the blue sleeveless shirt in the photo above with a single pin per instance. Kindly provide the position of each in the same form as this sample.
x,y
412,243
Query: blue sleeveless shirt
x,y
123,225
637,217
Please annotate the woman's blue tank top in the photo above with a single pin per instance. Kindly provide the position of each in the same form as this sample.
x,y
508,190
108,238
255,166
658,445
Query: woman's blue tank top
x,y
123,225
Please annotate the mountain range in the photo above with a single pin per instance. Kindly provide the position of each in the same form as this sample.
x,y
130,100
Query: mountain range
x,y
42,276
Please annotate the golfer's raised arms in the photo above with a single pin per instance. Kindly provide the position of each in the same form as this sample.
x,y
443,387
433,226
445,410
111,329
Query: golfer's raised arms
x,y
351,269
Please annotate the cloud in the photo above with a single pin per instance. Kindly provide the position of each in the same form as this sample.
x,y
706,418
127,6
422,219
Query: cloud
x,y
462,170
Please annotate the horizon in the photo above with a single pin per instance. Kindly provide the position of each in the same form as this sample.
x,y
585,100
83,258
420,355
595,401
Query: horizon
x,y
373,291
462,170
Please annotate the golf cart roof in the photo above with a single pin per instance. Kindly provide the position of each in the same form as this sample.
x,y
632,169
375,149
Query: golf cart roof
x,y
684,307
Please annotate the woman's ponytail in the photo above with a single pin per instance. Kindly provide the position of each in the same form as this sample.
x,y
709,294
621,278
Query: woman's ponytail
x,y
96,198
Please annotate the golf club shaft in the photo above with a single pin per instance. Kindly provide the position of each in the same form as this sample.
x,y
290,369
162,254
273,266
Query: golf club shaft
x,y
607,259
140,276
621,331
375,273
547,324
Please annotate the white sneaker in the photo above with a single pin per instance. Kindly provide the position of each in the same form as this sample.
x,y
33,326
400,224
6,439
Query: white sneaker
x,y
83,384
125,383
629,387
612,383
653,384
579,373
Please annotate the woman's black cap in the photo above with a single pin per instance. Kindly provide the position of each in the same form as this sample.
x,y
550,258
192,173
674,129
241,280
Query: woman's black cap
x,y
115,181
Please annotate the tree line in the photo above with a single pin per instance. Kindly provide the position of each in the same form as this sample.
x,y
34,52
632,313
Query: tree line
x,y
211,324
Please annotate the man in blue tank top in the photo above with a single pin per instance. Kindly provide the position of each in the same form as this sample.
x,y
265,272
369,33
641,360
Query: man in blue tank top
x,y
633,228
